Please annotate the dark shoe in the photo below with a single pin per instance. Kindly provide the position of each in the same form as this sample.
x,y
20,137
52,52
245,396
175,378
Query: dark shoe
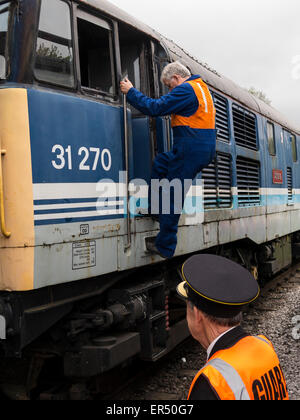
x,y
151,247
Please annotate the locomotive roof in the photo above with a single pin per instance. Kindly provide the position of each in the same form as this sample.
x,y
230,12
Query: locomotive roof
x,y
210,76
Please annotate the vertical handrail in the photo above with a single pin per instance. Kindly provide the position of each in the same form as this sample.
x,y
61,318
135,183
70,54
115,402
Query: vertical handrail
x,y
4,231
126,141
167,119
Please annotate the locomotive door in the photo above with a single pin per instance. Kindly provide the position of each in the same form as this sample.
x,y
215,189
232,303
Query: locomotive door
x,y
134,52
274,166
164,139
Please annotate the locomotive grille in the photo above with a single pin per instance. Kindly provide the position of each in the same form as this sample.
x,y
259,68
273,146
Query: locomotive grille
x,y
244,123
217,183
222,125
290,183
248,182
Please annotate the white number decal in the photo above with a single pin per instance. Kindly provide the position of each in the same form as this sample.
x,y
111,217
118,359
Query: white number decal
x,y
107,153
59,156
97,154
64,156
83,166
69,153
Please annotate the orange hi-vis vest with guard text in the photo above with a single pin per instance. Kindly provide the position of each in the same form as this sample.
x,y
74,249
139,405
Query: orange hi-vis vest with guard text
x,y
250,370
205,116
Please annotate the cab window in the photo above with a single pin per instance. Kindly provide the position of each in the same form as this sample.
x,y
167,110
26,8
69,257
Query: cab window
x,y
134,51
160,62
54,51
271,139
294,148
5,10
95,54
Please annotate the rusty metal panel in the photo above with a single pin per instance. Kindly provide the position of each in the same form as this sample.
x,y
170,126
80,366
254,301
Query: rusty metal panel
x,y
295,218
278,225
67,262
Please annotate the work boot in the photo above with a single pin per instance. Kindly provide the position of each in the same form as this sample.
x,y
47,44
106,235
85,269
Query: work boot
x,y
151,247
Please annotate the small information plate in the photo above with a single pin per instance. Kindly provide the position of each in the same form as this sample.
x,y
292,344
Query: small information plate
x,y
277,177
84,255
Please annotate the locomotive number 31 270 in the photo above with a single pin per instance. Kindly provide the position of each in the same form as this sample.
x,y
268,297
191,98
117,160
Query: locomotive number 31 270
x,y
89,158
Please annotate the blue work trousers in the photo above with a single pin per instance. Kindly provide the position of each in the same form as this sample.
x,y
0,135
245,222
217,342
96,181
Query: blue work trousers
x,y
188,157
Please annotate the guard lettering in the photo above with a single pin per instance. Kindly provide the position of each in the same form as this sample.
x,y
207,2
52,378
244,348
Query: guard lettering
x,y
257,389
270,386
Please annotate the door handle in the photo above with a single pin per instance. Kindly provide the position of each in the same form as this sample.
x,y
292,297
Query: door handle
x,y
4,231
167,120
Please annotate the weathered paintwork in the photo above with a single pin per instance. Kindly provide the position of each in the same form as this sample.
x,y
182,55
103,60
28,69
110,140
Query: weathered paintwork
x,y
69,224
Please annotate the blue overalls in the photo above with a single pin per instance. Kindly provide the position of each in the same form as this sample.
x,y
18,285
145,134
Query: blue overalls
x,y
193,122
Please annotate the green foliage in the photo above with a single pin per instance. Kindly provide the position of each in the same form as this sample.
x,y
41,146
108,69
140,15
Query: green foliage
x,y
52,53
260,95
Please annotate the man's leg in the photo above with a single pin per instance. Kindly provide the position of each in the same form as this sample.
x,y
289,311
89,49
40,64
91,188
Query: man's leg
x,y
184,166
160,169
166,240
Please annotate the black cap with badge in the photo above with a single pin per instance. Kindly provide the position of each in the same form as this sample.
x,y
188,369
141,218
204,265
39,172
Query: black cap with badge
x,y
217,286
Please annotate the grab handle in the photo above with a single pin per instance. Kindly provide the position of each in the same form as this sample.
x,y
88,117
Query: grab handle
x,y
4,231
126,146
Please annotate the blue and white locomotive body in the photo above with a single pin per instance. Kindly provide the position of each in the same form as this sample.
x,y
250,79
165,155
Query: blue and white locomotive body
x,y
79,191
74,174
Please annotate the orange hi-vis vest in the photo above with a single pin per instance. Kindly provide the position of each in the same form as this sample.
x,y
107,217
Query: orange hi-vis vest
x,y
205,116
250,370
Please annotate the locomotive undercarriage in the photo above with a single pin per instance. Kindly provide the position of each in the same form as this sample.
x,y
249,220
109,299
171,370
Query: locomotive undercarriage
x,y
86,331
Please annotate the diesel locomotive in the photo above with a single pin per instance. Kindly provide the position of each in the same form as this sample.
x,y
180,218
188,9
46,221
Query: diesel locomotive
x,y
79,292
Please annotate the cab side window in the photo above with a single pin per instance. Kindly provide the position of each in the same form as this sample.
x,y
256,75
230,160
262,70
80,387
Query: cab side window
x,y
95,54
135,59
160,62
5,16
271,139
54,51
294,148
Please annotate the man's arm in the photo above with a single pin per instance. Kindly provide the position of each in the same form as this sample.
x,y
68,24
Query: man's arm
x,y
182,101
203,391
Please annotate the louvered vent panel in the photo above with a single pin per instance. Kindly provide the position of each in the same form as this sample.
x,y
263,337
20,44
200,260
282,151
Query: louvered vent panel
x,y
209,176
248,182
290,183
244,124
217,183
224,181
222,125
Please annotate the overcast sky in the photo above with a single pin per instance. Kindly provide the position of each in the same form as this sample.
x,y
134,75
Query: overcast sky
x,y
253,42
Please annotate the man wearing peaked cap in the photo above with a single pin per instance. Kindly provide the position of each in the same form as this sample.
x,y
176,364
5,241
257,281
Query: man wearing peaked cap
x,y
239,366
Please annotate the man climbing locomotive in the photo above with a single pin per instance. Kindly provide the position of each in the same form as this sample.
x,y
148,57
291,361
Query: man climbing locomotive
x,y
193,121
